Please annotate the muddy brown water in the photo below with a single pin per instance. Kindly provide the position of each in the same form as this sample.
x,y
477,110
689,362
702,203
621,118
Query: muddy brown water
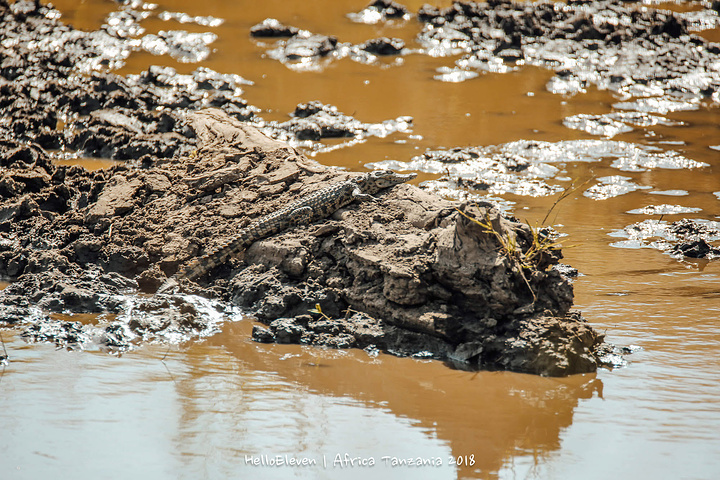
x,y
214,408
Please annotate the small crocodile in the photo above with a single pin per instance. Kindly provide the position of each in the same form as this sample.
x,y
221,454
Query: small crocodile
x,y
316,206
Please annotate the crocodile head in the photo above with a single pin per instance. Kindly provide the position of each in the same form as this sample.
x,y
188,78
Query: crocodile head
x,y
377,180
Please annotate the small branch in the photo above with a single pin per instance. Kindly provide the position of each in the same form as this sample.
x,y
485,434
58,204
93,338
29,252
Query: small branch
x,y
566,193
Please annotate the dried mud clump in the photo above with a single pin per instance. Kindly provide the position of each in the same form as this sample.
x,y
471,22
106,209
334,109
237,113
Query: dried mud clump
x,y
314,121
383,46
443,286
271,28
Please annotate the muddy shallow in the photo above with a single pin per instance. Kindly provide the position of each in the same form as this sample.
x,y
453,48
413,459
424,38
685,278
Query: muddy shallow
x,y
665,303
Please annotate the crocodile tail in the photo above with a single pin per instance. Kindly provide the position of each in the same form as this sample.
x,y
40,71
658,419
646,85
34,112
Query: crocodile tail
x,y
207,262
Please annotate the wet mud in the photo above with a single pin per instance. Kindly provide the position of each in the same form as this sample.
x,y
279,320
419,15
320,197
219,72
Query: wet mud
x,y
681,239
534,168
639,53
56,98
653,61
412,274
400,276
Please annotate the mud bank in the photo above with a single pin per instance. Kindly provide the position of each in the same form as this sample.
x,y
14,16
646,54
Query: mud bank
x,y
637,52
411,274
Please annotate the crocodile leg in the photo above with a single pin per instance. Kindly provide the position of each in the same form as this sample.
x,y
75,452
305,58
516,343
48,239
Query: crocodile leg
x,y
359,196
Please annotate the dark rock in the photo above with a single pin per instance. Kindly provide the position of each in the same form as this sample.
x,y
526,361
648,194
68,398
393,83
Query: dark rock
x,y
389,8
695,249
307,45
285,330
383,46
271,27
263,335
380,10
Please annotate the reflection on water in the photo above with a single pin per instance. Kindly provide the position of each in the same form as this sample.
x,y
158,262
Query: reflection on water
x,y
199,411
489,416
208,410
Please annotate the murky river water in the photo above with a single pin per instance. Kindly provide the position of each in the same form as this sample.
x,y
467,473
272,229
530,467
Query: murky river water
x,y
213,409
